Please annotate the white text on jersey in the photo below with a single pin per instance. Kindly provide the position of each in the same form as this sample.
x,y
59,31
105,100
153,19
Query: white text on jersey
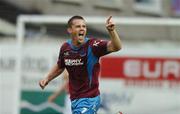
x,y
73,62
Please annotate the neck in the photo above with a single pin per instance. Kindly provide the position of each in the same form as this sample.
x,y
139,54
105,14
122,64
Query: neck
x,y
76,43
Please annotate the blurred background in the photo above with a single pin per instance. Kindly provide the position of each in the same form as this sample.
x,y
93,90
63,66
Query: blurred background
x,y
142,78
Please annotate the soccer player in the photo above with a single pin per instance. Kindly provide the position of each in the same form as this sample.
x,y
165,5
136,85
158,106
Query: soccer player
x,y
80,56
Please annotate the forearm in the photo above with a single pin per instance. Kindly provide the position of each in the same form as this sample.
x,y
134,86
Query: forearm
x,y
115,40
60,90
55,95
54,72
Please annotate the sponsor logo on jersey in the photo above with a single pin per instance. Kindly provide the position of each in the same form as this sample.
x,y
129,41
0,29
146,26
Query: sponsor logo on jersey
x,y
66,53
73,62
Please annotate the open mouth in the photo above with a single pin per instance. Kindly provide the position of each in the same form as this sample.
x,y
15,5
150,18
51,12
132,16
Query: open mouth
x,y
81,34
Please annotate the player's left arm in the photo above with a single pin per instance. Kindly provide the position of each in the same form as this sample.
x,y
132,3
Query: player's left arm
x,y
115,43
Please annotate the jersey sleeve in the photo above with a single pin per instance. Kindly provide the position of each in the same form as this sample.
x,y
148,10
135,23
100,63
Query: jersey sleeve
x,y
99,47
60,60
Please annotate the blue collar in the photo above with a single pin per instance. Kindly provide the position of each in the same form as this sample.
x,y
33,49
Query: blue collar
x,y
75,47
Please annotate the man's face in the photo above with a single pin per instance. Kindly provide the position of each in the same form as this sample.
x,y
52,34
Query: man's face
x,y
78,31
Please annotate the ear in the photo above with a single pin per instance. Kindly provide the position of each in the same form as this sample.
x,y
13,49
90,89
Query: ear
x,y
69,30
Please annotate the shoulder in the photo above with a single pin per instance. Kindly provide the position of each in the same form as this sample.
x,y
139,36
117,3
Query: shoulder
x,y
92,41
95,42
64,46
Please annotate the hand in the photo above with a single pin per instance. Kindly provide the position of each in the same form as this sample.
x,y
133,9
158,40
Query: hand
x,y
51,98
110,25
43,83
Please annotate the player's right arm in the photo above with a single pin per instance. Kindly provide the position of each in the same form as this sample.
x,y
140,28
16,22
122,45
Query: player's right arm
x,y
53,73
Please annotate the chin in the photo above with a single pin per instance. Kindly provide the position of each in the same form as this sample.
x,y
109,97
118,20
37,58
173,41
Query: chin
x,y
80,41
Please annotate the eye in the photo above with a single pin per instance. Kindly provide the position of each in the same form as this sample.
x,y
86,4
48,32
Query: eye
x,y
84,26
77,26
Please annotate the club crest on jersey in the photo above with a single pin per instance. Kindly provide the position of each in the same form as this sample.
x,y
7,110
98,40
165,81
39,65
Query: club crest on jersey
x,y
73,62
66,53
96,43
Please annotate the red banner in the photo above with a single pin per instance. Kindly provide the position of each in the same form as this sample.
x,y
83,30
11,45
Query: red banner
x,y
141,68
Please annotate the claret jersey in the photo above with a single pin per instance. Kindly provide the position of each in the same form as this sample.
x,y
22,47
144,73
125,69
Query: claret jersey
x,y
82,64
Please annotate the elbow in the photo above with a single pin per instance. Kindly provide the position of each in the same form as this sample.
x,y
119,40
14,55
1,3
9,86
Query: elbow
x,y
117,48
114,47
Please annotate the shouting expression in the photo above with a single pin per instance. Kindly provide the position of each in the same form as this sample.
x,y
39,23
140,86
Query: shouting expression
x,y
78,31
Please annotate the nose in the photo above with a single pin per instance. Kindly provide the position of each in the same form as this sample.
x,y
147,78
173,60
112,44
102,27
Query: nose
x,y
82,28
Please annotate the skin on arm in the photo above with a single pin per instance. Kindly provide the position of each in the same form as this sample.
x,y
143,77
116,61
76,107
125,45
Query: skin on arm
x,y
53,73
115,43
58,92
61,88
